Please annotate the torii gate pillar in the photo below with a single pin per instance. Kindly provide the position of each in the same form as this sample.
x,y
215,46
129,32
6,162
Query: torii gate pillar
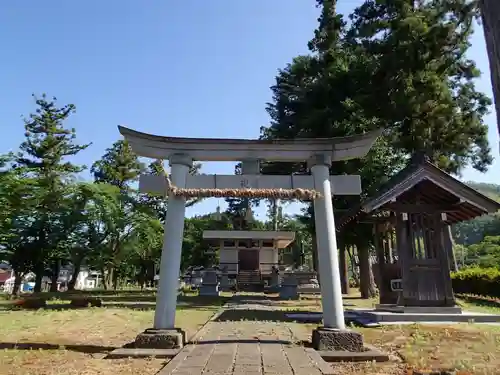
x,y
164,333
331,291
170,263
333,335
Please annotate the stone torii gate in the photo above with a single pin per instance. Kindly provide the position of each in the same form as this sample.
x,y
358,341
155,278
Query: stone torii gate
x,y
319,153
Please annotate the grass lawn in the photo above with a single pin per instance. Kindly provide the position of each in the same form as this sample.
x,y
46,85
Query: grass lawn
x,y
59,340
67,341
470,348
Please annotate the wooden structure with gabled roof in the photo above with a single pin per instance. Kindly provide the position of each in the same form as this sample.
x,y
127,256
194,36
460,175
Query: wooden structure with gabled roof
x,y
411,216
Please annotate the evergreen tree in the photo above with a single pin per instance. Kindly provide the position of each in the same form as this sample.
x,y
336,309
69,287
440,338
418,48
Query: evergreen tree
x,y
398,65
119,166
418,64
43,157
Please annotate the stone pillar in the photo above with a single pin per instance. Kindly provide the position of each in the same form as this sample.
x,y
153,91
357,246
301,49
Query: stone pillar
x,y
328,257
164,334
333,336
210,284
289,287
170,263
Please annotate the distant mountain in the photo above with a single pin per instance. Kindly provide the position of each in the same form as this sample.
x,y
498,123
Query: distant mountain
x,y
474,231
490,190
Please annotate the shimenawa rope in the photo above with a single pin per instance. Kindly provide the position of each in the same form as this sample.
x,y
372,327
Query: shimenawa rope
x,y
285,194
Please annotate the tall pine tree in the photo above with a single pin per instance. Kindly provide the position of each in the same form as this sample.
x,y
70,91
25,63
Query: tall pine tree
x,y
44,158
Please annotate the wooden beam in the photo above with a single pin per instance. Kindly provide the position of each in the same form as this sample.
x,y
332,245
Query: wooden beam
x,y
377,220
421,207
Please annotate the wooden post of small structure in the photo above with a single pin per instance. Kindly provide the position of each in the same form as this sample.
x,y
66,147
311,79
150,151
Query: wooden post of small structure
x,y
448,244
490,12
379,248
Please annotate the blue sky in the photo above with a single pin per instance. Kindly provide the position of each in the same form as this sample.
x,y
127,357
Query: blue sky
x,y
186,68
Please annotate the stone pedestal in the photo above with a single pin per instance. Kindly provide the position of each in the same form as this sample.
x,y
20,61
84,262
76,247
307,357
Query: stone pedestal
x,y
210,284
330,339
275,280
289,288
312,287
161,339
225,285
209,290
196,279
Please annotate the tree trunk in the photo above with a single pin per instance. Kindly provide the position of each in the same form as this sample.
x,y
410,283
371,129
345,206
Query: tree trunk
x,y
315,255
108,277
366,280
103,279
39,270
151,274
490,12
18,278
344,274
54,277
354,266
77,266
143,275
115,280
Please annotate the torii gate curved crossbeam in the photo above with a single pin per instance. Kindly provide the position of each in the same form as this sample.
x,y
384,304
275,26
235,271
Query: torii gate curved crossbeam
x,y
217,149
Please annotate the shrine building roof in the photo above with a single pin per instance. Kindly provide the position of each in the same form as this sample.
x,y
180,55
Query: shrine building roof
x,y
424,186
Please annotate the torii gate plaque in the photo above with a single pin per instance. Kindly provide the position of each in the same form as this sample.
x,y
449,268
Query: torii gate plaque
x,y
319,153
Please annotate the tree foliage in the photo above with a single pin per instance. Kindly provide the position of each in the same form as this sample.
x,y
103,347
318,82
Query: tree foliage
x,y
43,159
396,65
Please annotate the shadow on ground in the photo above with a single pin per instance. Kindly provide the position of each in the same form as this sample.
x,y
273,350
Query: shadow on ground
x,y
128,302
270,299
255,315
243,341
480,301
236,315
88,349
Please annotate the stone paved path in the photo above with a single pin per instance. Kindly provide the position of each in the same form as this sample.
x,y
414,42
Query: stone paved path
x,y
246,348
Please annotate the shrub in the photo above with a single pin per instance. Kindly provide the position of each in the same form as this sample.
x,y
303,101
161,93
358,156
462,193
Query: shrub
x,y
479,281
86,302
